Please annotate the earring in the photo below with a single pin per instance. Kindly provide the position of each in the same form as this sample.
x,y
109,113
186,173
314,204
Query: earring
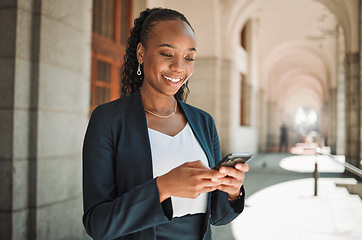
x,y
139,70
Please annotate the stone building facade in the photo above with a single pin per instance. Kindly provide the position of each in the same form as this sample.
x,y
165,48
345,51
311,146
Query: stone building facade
x,y
257,62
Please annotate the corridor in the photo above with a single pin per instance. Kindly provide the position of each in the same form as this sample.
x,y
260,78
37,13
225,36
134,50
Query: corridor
x,y
260,65
280,204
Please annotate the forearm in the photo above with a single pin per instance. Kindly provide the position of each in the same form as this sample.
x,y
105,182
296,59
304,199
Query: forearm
x,y
136,210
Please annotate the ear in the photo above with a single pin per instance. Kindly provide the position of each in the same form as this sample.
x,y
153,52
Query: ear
x,y
140,52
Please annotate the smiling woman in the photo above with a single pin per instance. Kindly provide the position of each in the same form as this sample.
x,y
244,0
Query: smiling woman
x,y
147,156
167,58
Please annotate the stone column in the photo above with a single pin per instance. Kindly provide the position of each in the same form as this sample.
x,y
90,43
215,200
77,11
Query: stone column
x,y
332,137
262,123
340,136
326,120
353,108
249,101
226,106
8,167
359,162
272,139
45,87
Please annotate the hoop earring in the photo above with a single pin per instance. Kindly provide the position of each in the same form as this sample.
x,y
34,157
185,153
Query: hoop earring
x,y
139,70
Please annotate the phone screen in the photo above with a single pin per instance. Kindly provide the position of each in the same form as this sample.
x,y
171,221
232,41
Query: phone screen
x,y
231,159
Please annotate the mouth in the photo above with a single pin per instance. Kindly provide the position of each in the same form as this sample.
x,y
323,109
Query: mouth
x,y
173,80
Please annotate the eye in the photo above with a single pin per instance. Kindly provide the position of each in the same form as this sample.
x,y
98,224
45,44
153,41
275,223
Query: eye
x,y
166,55
189,57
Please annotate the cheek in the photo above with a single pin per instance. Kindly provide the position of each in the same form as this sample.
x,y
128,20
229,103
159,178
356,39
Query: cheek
x,y
190,70
151,67
157,65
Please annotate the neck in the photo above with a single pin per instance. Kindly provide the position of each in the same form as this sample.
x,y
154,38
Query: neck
x,y
157,102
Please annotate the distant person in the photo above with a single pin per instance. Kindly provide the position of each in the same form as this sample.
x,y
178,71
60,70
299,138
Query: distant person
x,y
283,138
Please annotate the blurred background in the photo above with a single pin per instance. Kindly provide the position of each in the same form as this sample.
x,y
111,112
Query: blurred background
x,y
276,75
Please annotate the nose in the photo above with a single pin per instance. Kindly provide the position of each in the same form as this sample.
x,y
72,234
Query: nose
x,y
177,65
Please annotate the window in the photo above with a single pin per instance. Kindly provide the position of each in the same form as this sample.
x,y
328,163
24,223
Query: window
x,y
110,30
103,18
244,36
125,21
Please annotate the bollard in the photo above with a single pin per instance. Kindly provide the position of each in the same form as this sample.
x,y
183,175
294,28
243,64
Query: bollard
x,y
315,178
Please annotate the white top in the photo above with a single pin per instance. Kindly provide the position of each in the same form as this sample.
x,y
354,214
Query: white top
x,y
169,152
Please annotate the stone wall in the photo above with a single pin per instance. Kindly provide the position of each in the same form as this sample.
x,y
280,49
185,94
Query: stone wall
x,y
45,86
353,108
360,78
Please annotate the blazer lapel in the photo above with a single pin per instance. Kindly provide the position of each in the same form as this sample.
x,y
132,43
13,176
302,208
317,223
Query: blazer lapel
x,y
136,137
197,128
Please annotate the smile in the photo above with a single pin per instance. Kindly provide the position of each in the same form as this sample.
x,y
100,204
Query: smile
x,y
174,80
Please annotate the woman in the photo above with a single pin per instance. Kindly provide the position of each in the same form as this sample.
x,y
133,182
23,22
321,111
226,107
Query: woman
x,y
147,156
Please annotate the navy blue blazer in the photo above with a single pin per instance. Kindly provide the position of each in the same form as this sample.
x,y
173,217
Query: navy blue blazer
x,y
120,194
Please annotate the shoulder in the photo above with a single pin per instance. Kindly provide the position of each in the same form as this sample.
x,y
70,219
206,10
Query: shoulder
x,y
108,107
105,112
117,107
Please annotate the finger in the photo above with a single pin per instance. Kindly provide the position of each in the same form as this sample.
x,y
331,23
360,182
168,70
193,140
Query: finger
x,y
207,174
209,189
233,182
196,164
206,183
232,172
242,167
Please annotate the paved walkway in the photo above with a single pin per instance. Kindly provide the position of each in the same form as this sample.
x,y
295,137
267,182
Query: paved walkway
x,y
280,202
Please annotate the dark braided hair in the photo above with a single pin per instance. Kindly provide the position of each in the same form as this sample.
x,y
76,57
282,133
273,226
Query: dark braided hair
x,y
140,33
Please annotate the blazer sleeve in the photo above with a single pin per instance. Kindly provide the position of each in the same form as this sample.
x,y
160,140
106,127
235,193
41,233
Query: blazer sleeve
x,y
223,211
105,215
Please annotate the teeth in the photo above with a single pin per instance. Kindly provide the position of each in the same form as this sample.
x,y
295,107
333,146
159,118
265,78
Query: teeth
x,y
174,80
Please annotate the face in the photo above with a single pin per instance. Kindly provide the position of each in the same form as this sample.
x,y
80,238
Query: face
x,y
167,57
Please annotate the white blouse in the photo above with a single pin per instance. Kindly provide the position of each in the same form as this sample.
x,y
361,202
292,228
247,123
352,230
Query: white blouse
x,y
169,152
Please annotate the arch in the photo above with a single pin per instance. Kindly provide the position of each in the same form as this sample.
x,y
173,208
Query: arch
x,y
300,78
345,13
240,11
303,97
292,50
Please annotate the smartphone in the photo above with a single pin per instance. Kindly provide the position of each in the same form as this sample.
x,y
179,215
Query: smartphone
x,y
231,159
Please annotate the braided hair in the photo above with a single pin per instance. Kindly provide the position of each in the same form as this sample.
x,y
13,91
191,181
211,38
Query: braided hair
x,y
140,33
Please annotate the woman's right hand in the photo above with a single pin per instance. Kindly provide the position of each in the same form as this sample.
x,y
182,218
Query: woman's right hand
x,y
188,180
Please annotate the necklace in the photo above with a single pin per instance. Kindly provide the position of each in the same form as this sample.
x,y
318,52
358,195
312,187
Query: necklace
x,y
160,116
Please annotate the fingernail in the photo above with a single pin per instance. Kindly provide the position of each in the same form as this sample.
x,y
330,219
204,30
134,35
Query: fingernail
x,y
214,179
222,170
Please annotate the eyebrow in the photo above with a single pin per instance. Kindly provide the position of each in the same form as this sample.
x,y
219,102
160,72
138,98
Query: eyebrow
x,y
174,47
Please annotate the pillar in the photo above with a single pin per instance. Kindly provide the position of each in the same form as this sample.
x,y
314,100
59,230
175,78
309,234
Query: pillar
x,y
273,128
332,137
262,126
352,111
44,89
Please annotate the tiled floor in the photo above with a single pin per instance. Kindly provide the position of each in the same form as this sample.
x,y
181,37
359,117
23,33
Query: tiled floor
x,y
281,204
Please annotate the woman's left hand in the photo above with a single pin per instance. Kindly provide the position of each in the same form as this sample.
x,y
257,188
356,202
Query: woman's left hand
x,y
233,180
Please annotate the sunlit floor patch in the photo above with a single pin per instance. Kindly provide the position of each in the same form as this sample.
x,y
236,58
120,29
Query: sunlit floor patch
x,y
290,211
306,163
